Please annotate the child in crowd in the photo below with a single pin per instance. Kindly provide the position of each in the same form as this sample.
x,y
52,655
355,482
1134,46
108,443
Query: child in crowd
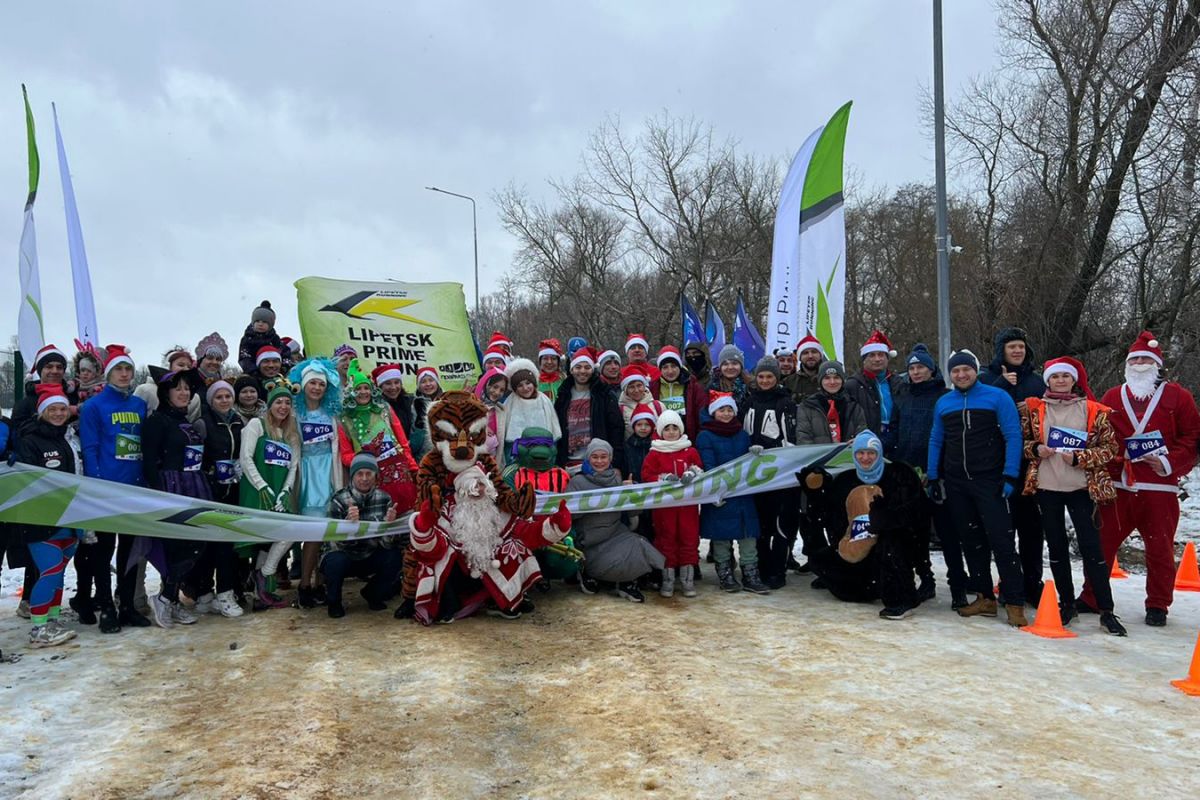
x,y
259,333
722,440
676,530
524,408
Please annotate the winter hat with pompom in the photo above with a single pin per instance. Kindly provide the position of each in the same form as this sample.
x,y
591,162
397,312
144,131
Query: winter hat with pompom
x,y
263,313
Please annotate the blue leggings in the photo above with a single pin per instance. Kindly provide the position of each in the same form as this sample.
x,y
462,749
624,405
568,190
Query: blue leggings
x,y
50,558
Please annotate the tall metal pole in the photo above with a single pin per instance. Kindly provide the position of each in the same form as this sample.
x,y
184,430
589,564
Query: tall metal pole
x,y
943,237
474,235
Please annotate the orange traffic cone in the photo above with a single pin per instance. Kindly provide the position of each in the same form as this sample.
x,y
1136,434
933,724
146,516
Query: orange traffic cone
x,y
1118,574
1191,684
1048,622
1188,577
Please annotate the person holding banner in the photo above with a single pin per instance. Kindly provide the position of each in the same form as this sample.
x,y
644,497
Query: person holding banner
x,y
1157,429
368,425
172,459
110,429
270,461
1069,443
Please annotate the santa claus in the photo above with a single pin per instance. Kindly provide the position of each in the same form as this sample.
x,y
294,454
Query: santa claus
x,y
474,555
1157,427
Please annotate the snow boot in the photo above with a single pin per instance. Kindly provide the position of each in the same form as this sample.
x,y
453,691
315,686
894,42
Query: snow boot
x,y
687,580
726,579
1016,615
109,621
667,587
1111,623
751,581
631,592
1156,617
980,607
83,608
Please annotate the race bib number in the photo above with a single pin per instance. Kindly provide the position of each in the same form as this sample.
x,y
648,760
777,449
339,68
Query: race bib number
x,y
1066,439
277,454
677,404
193,457
1145,444
228,471
316,432
129,447
860,528
388,450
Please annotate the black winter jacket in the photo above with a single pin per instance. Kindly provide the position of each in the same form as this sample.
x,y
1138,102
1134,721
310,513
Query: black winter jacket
x,y
607,422
222,443
769,417
165,436
1029,382
253,342
865,392
912,420
52,447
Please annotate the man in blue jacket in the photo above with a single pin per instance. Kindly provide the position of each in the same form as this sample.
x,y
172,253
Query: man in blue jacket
x,y
110,431
974,461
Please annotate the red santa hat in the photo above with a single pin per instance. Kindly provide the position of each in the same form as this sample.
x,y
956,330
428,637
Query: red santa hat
x,y
387,372
720,400
636,338
1071,367
634,373
266,353
50,394
431,372
117,354
495,352
584,355
643,412
48,355
1146,345
291,344
810,342
500,340
608,355
878,343
549,348
669,352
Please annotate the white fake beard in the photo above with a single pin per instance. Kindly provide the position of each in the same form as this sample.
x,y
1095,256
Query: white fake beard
x,y
1141,379
476,527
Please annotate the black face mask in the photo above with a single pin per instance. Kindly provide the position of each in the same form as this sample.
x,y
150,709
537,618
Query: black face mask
x,y
695,363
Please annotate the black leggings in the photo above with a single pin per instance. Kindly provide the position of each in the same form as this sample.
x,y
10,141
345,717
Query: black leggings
x,y
93,566
1081,508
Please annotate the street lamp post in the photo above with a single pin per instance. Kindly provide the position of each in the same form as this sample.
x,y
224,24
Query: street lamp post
x,y
475,236
943,236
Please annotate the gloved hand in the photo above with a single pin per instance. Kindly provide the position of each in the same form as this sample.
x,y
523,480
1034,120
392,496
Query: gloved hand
x,y
668,477
12,458
1009,487
561,518
283,501
266,497
426,518
756,449
936,491
690,475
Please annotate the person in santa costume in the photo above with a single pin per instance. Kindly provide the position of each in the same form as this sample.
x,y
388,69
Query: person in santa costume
x,y
672,459
637,350
1157,428
472,554
875,387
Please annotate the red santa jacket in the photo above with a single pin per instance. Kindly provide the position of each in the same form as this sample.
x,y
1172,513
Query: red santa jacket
x,y
1174,415
660,462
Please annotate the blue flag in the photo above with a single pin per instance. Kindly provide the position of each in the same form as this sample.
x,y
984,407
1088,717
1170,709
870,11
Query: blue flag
x,y
693,330
746,337
714,332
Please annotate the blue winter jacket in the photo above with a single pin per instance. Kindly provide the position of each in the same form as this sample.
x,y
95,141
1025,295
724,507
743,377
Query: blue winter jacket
x,y
912,420
976,435
4,437
110,430
736,519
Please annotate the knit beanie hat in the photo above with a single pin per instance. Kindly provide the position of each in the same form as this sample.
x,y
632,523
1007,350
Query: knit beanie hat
x,y
280,387
920,355
834,367
246,382
597,446
363,460
731,353
768,364
668,418
263,313
344,350
215,387
963,358
520,370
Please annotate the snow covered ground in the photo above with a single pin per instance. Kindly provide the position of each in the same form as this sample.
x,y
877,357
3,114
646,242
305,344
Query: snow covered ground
x,y
792,695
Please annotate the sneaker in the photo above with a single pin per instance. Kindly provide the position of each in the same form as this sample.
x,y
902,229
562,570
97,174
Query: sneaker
x,y
160,607
1110,623
82,606
183,615
496,611
1156,617
630,592
49,635
752,583
896,612
927,590
980,607
109,621
23,609
226,605
588,585
204,604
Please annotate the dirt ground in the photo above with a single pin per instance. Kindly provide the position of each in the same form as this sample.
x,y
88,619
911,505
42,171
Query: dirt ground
x,y
792,695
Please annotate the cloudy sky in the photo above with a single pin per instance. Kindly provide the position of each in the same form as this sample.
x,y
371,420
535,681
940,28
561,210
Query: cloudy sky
x,y
221,150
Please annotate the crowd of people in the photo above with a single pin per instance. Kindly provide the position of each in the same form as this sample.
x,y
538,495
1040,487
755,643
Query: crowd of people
x,y
987,469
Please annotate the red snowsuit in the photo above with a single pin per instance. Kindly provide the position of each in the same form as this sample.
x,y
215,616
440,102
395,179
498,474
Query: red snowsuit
x,y
1146,501
676,530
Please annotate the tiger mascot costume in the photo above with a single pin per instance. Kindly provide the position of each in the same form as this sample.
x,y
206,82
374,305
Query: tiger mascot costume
x,y
457,430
